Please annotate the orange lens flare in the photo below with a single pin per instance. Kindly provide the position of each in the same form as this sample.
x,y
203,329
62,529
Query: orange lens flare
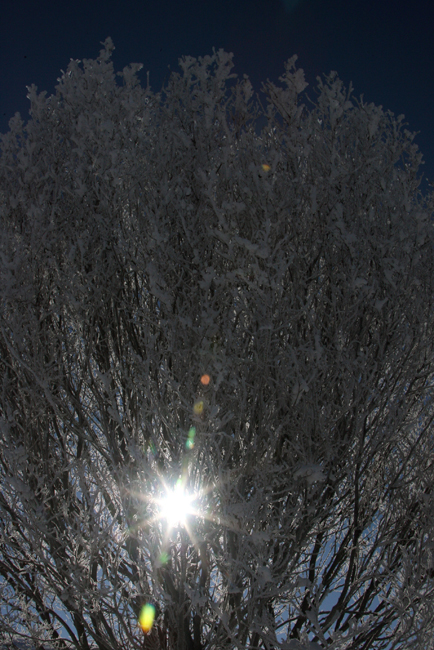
x,y
205,379
146,618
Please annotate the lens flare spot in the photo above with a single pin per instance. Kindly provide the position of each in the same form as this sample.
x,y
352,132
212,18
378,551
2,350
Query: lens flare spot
x,y
190,440
198,407
205,379
163,559
266,167
146,617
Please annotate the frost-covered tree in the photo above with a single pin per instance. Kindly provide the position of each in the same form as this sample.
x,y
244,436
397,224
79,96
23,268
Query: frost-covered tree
x,y
192,306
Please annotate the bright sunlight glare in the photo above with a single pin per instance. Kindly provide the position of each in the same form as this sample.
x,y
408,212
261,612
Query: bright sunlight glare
x,y
176,505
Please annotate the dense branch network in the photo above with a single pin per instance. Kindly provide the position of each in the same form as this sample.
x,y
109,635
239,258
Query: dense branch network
x,y
149,240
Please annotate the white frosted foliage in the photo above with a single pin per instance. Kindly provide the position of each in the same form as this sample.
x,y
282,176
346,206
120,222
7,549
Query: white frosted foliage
x,y
216,367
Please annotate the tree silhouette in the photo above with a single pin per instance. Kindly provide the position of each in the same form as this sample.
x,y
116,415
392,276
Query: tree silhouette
x,y
245,316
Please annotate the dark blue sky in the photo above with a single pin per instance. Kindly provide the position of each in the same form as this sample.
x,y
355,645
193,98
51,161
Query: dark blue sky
x,y
385,47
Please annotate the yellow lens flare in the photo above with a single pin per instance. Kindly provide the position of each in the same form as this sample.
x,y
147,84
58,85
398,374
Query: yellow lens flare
x,y
266,167
198,407
146,617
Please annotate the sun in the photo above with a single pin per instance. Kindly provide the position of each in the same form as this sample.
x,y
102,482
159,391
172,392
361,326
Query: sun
x,y
176,505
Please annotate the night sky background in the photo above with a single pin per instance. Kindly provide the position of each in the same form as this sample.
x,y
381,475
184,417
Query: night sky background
x,y
385,47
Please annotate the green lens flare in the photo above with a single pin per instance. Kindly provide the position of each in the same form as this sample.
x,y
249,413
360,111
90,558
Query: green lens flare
x,y
190,440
